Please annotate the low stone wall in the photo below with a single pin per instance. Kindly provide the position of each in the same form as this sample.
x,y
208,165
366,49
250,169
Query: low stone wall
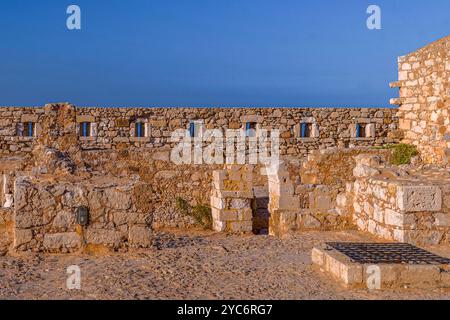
x,y
307,195
120,214
168,181
404,207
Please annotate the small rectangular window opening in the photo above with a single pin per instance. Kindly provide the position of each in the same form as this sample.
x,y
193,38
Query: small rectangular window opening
x,y
85,129
306,130
360,130
28,129
140,129
194,128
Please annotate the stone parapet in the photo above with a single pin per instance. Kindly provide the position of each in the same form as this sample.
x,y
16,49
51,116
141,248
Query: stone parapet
x,y
115,128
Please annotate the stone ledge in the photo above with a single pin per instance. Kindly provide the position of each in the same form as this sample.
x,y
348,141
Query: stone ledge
x,y
396,84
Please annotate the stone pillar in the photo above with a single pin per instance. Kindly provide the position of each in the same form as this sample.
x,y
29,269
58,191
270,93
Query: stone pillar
x,y
56,149
284,205
231,199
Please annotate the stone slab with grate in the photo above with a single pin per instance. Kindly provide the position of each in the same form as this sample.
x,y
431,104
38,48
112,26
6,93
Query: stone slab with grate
x,y
387,253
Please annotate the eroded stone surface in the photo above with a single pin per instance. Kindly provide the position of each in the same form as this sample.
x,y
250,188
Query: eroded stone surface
x,y
419,198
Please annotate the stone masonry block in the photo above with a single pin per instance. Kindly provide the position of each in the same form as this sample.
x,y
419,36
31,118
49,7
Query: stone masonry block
x,y
419,198
239,203
243,226
107,237
285,202
420,275
219,226
317,257
56,241
342,200
397,219
367,160
224,215
442,219
140,236
362,170
351,274
22,236
245,214
233,194
400,235
85,118
218,177
218,203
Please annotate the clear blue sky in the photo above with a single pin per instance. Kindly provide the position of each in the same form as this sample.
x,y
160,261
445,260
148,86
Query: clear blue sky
x,y
210,53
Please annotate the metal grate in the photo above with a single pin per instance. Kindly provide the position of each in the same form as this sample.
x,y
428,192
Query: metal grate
x,y
379,253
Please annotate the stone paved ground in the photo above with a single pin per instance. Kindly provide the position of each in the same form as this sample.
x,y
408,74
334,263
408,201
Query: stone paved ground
x,y
194,265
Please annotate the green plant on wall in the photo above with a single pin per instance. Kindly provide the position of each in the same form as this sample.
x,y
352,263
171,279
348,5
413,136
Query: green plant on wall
x,y
201,213
182,205
401,153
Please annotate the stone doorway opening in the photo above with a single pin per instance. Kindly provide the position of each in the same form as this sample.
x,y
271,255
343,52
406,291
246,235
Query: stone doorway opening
x,y
261,215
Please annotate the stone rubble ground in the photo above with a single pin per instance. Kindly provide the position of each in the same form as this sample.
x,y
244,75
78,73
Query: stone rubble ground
x,y
195,265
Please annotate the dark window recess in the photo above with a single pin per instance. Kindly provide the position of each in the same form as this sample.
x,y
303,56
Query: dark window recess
x,y
139,129
193,129
360,130
305,130
28,129
261,215
250,129
85,129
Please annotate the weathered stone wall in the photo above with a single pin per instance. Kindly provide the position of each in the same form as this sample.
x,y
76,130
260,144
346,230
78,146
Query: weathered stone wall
x,y
307,195
10,119
424,112
120,214
169,181
113,147
323,179
113,128
404,206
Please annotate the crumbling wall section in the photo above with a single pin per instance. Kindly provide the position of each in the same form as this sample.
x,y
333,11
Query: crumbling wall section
x,y
45,214
311,195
